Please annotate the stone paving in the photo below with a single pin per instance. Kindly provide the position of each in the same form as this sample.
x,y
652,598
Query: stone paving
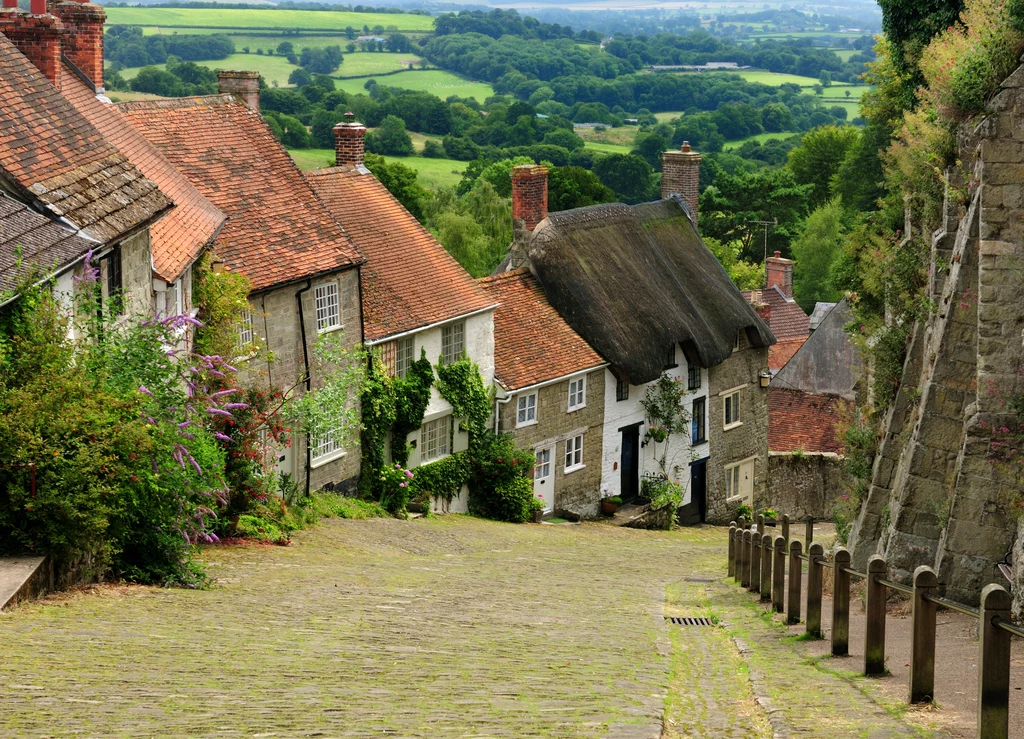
x,y
450,627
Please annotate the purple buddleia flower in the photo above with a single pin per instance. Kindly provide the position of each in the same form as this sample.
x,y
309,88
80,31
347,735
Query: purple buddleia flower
x,y
218,412
232,406
222,437
224,392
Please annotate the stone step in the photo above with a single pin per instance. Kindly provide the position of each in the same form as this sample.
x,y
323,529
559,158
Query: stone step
x,y
23,578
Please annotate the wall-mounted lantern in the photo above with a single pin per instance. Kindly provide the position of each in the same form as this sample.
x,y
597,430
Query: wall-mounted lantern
x,y
765,378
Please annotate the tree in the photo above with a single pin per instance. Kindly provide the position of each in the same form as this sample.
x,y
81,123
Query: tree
x,y
815,252
650,147
390,137
433,149
745,275
818,157
291,131
575,187
628,175
286,48
300,77
825,78
564,138
858,179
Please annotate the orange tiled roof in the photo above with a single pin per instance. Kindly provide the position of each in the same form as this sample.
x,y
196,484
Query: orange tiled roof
x,y
802,421
788,320
409,280
178,237
780,353
29,240
278,231
53,155
532,343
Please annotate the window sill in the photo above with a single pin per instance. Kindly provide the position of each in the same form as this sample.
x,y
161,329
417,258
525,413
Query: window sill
x,y
736,499
730,426
576,408
526,424
425,462
329,330
570,470
698,442
326,459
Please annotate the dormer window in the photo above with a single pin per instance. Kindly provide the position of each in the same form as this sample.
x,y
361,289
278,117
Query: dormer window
x,y
670,357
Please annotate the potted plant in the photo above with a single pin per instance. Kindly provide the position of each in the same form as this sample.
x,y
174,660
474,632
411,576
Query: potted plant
x,y
610,504
657,434
744,511
537,509
771,516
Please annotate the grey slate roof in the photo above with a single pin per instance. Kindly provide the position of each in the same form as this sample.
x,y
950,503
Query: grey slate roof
x,y
818,314
634,280
28,239
828,362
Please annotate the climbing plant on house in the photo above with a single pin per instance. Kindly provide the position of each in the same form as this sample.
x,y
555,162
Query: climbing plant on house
x,y
667,416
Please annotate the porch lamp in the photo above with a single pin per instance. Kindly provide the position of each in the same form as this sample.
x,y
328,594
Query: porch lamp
x,y
765,377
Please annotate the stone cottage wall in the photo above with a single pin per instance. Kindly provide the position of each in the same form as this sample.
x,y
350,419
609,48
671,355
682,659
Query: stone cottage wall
x,y
804,485
936,497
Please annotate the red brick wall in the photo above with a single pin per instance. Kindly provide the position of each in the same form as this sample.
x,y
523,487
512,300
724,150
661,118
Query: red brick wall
x,y
529,194
680,175
38,37
348,143
83,37
780,272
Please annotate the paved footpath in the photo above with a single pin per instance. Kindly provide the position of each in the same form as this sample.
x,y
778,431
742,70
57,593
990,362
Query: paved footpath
x,y
451,627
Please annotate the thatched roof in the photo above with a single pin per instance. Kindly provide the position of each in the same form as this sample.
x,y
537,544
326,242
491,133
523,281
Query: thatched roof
x,y
634,280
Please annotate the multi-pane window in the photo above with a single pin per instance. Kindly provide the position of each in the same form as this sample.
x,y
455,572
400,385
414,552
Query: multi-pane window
x,y
453,341
670,356
325,445
622,390
112,263
403,355
698,425
388,354
692,377
245,332
328,307
732,409
542,470
577,393
435,439
574,453
526,409
732,481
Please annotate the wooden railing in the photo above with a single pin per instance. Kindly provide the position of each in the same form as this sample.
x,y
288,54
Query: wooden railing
x,y
759,563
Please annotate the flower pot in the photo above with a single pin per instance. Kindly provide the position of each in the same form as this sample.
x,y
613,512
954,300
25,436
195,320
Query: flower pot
x,y
608,508
538,516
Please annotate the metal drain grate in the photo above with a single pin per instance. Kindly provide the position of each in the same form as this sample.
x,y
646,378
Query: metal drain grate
x,y
689,620
698,579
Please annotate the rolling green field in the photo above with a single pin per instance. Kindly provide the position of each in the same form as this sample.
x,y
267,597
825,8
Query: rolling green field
x,y
368,63
608,148
844,54
433,173
668,115
761,137
269,19
434,81
272,68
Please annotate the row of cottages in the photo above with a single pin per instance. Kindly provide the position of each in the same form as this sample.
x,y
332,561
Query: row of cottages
x,y
597,304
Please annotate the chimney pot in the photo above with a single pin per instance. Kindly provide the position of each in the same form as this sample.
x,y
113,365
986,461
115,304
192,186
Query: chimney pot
x,y
245,84
529,194
349,143
37,35
37,7
10,4
778,254
680,175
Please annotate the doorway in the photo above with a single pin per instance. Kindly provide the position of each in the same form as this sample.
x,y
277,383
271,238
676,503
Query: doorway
x,y
544,479
699,489
629,463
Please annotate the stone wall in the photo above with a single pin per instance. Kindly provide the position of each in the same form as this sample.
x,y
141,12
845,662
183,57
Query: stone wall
x,y
276,323
804,485
748,441
578,492
936,497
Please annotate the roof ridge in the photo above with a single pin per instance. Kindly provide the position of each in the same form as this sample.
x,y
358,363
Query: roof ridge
x,y
518,272
183,102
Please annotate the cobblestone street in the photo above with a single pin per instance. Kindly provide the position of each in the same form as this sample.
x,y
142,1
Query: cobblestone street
x,y
450,627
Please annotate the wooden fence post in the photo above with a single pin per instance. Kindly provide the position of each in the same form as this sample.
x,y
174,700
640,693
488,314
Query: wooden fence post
x,y
760,523
745,559
814,554
809,534
755,562
994,665
922,648
874,638
737,574
732,549
766,567
779,575
840,603
785,527
795,580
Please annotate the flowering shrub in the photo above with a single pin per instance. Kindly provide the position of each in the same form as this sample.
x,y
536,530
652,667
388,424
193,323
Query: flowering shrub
x,y
661,491
501,482
394,488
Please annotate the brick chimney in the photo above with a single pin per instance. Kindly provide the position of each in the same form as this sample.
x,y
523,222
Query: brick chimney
x,y
529,194
349,145
83,37
780,272
680,175
763,310
37,35
244,84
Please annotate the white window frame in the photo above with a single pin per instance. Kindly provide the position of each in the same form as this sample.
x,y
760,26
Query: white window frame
x,y
577,394
438,430
523,409
449,354
327,307
325,450
574,454
726,395
732,481
401,345
246,332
